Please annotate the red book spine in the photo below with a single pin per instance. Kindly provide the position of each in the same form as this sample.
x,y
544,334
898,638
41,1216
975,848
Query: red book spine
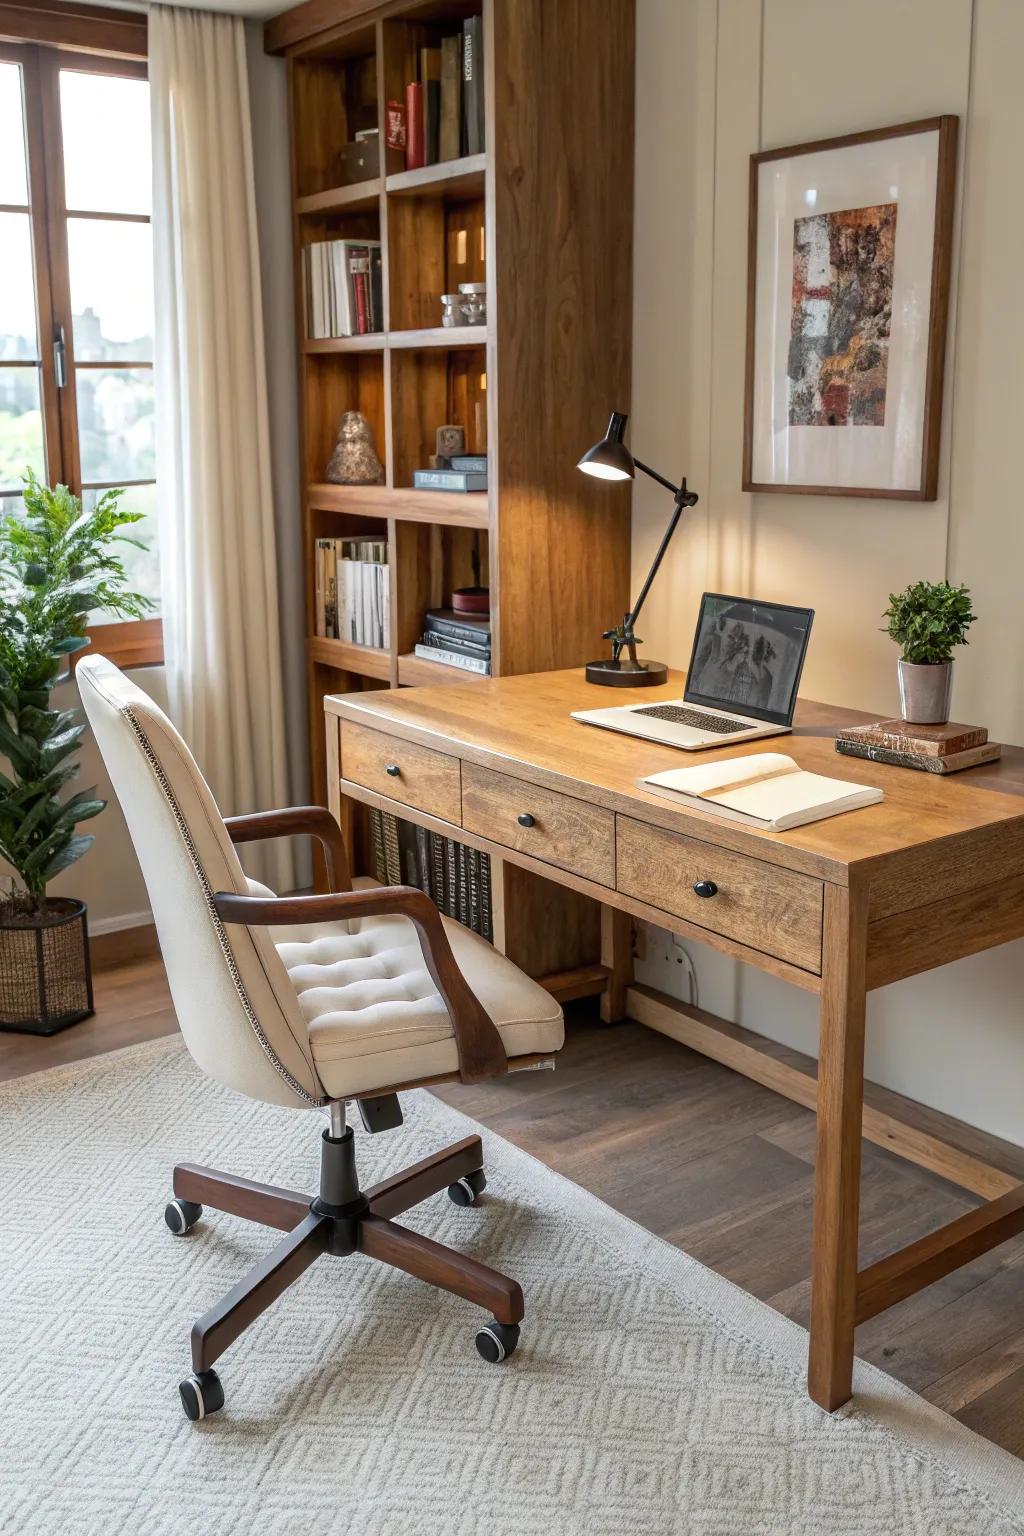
x,y
362,320
414,144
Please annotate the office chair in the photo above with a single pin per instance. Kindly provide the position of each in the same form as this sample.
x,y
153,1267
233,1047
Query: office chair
x,y
310,1002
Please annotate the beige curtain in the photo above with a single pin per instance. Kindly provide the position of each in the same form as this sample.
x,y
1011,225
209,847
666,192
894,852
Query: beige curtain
x,y
217,546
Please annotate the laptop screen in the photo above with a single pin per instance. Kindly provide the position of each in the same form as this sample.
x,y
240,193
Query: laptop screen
x,y
747,657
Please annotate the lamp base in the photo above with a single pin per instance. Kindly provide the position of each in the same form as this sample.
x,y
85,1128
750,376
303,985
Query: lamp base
x,y
623,674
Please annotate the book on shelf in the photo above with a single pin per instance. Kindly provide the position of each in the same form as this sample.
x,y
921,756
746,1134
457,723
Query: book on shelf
x,y
456,878
440,642
924,762
763,789
917,740
472,86
450,130
469,463
343,283
444,105
351,591
449,658
414,145
430,79
460,626
447,480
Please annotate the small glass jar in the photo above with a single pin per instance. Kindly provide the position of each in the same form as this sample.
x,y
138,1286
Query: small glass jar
x,y
474,303
452,309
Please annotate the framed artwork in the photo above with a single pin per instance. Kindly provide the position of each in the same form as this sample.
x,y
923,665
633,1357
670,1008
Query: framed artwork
x,y
849,252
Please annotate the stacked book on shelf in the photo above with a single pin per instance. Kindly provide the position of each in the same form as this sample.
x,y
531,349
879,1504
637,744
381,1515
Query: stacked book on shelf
x,y
930,748
456,878
457,640
351,593
344,288
462,472
443,117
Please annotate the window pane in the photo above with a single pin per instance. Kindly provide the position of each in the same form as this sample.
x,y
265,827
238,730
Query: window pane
x,y
13,180
105,121
116,424
18,338
21,426
142,565
111,290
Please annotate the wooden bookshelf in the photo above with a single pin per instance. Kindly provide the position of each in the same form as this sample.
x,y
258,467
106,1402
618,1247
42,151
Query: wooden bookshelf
x,y
545,217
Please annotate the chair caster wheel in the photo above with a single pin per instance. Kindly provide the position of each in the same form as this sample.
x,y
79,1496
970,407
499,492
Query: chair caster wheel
x,y
465,1191
182,1215
496,1341
201,1395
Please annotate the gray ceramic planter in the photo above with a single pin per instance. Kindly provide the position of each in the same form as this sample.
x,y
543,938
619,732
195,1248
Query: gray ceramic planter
x,y
925,691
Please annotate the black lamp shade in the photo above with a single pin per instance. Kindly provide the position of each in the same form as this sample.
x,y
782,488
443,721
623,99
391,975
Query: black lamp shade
x,y
610,459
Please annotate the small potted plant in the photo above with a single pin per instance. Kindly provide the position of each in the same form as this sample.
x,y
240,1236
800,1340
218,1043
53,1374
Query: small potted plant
x,y
57,564
928,619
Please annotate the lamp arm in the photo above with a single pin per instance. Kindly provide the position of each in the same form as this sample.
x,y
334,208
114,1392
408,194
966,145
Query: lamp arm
x,y
684,499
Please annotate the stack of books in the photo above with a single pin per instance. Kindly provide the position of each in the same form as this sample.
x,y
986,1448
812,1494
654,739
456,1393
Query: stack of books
x,y
457,640
444,108
466,472
343,288
456,878
351,594
929,748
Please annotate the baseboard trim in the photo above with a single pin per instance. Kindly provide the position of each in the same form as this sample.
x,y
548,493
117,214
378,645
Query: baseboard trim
x,y
110,946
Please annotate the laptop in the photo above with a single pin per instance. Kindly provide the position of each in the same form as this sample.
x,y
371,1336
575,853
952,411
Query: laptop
x,y
741,683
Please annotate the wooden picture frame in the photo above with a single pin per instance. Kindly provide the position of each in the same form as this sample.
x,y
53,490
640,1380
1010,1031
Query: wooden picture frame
x,y
897,344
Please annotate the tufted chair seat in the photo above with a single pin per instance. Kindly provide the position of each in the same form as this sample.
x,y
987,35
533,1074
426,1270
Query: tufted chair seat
x,y
374,1015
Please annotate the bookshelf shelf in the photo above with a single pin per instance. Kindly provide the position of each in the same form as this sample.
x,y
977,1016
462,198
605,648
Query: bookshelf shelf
x,y
448,337
534,220
450,508
415,672
355,198
452,178
346,657
372,342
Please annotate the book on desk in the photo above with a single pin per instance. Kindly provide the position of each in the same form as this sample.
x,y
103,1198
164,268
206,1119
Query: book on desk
x,y
764,789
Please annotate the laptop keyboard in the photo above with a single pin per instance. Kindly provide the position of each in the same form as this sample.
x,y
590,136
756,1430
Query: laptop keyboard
x,y
694,717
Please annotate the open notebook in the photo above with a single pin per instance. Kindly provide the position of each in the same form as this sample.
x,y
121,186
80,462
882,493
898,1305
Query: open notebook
x,y
766,789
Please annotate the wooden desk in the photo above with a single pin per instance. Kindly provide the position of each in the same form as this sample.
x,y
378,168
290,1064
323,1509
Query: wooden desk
x,y
838,908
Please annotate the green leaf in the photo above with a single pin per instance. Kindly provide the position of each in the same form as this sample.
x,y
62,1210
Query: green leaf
x,y
72,851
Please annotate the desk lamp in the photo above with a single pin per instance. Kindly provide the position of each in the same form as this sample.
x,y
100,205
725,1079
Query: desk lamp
x,y
610,459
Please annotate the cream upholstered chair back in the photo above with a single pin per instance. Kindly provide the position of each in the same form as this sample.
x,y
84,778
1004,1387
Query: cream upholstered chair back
x,y
236,1006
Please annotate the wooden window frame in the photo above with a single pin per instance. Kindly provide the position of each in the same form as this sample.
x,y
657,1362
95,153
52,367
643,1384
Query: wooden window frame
x,y
43,41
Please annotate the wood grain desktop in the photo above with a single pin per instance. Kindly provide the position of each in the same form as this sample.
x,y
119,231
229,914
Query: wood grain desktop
x,y
837,907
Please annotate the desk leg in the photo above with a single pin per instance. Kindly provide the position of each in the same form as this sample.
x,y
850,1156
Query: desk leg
x,y
837,1166
617,955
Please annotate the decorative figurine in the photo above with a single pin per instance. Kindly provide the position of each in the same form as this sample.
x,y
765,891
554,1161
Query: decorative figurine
x,y
354,460
450,440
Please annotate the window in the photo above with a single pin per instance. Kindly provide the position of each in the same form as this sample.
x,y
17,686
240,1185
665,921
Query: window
x,y
76,295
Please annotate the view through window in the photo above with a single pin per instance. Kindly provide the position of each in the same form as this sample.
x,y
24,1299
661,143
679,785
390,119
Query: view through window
x,y
76,288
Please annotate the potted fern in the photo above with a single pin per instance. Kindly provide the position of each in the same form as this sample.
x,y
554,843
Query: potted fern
x,y
58,564
928,619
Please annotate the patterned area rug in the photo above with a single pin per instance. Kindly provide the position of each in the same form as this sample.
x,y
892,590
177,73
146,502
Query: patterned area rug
x,y
648,1395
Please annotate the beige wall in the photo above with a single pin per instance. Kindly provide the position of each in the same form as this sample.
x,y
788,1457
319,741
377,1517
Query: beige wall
x,y
718,80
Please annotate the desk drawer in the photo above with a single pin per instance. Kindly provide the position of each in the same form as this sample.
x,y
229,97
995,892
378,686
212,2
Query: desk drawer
x,y
558,828
402,770
771,909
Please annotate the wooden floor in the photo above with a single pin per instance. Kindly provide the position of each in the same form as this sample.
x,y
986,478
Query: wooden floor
x,y
714,1163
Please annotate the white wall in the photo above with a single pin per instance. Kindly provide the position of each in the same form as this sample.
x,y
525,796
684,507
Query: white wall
x,y
717,81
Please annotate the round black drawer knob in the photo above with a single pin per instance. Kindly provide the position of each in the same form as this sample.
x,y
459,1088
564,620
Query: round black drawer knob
x,y
392,770
705,888
525,820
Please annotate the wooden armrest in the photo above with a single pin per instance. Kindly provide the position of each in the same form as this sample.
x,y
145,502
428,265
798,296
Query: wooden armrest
x,y
314,819
477,1041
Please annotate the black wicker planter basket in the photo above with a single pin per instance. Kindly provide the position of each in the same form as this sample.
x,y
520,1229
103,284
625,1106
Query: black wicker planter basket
x,y
45,975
